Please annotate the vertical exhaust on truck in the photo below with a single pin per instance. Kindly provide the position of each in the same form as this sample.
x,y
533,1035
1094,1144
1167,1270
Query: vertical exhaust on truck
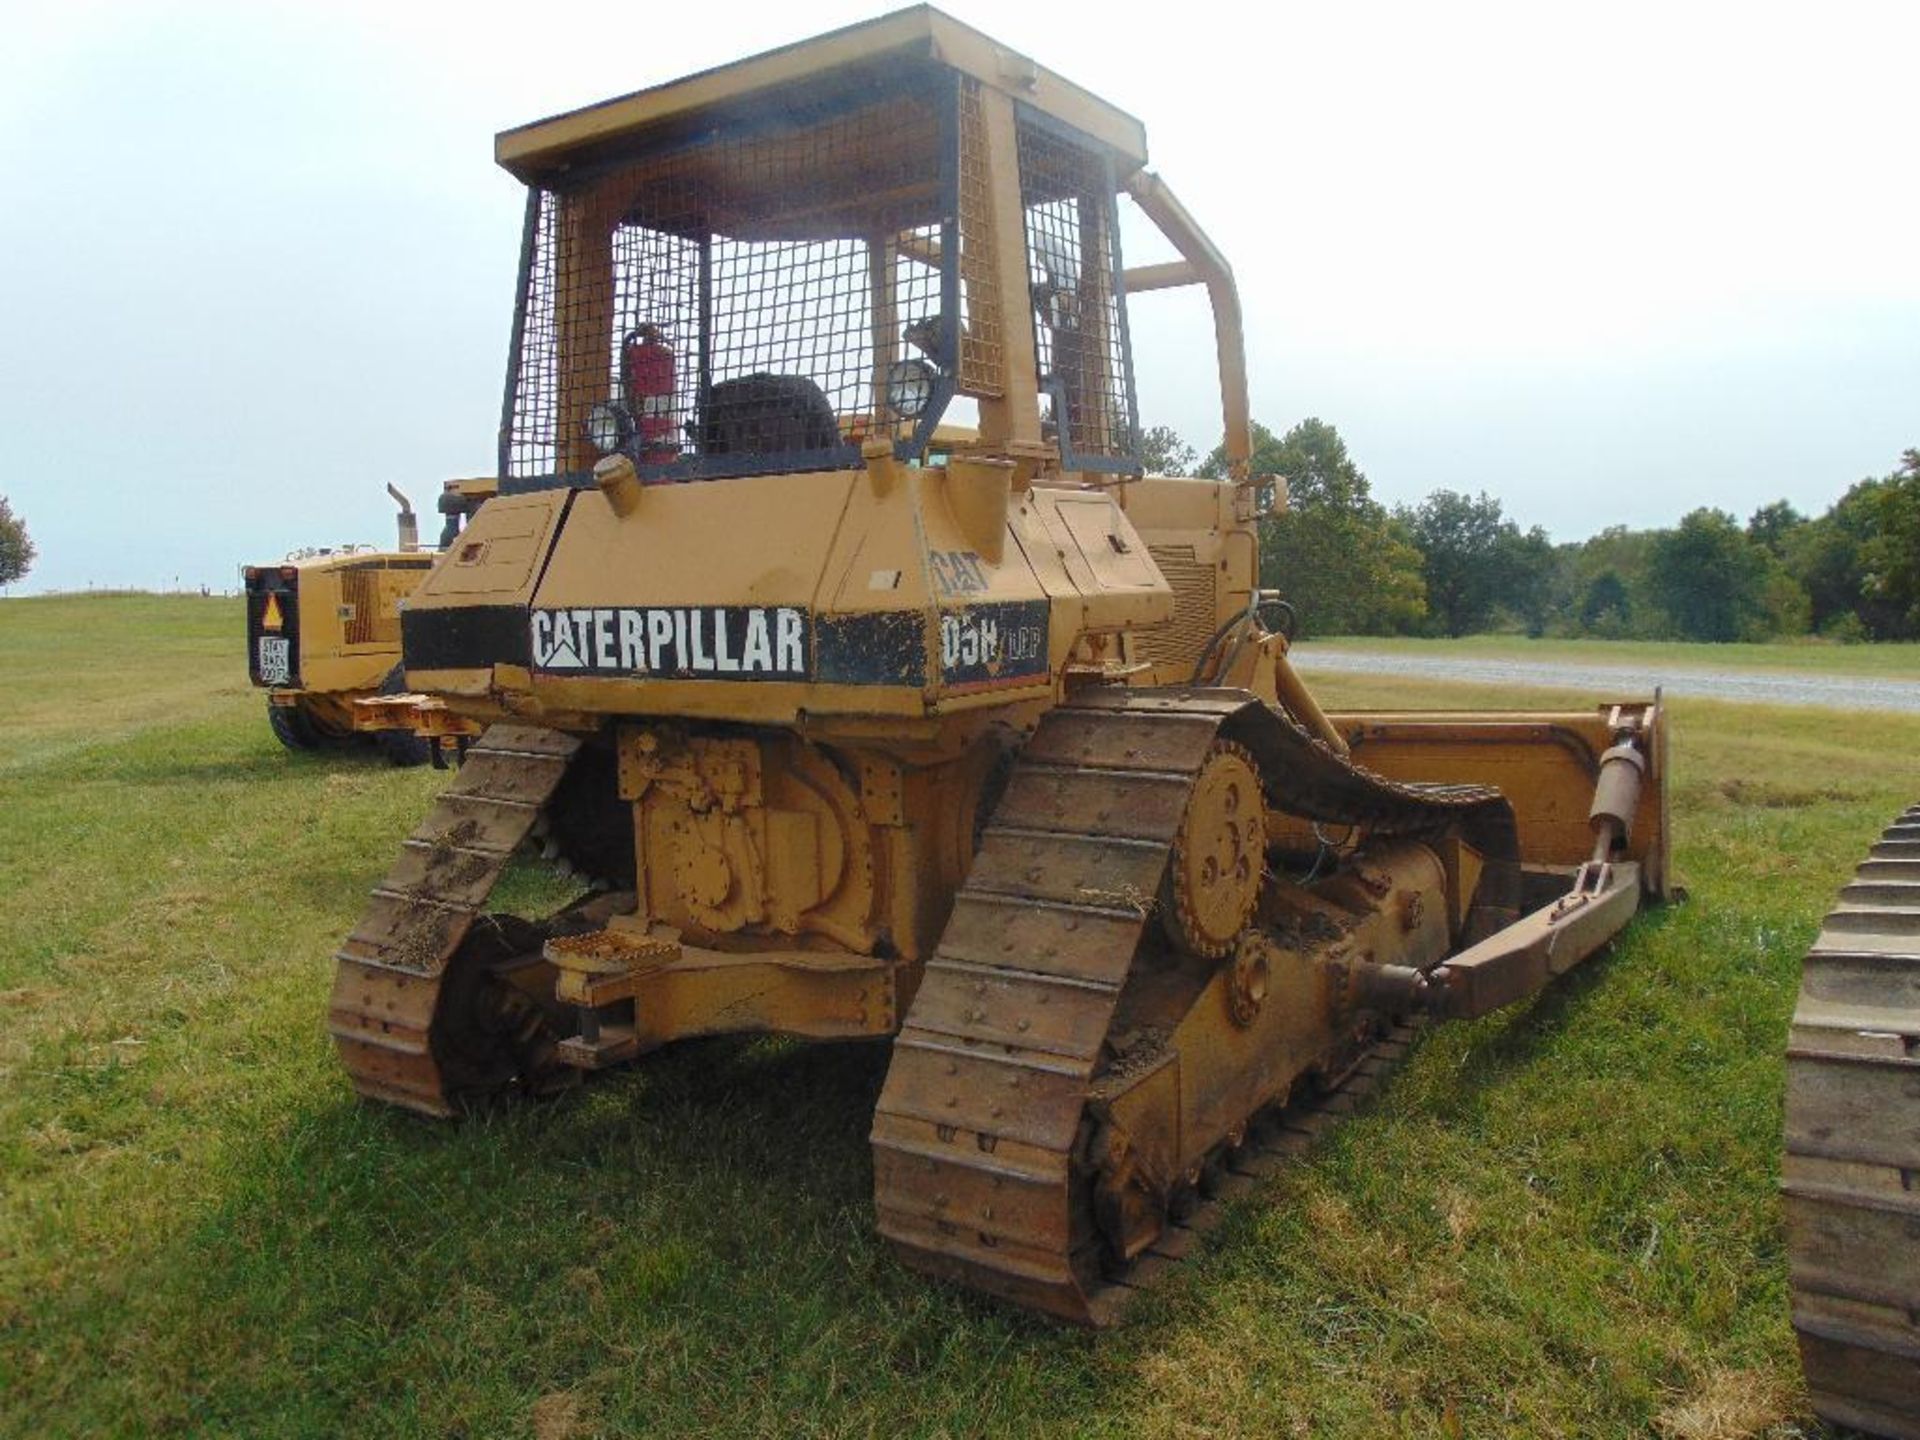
x,y
409,523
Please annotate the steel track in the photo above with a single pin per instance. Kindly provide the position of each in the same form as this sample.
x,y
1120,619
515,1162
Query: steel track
x,y
388,975
1851,1176
976,1176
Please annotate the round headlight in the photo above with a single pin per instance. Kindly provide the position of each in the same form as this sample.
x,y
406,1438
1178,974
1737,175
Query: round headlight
x,y
909,388
609,426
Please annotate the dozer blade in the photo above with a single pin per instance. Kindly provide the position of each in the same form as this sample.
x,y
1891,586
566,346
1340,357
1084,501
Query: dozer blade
x,y
1547,764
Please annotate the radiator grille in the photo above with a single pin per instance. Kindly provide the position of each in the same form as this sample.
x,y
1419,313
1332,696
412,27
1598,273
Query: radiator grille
x,y
360,597
1179,641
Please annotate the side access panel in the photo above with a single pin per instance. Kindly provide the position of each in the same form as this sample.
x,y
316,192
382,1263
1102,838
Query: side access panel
x,y
470,614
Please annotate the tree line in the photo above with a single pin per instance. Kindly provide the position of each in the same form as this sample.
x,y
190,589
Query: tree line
x,y
1455,564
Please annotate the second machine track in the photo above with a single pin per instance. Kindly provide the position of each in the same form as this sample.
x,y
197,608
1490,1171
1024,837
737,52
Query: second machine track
x,y
1852,1171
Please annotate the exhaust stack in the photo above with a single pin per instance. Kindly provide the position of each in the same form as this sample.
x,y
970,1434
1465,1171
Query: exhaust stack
x,y
409,524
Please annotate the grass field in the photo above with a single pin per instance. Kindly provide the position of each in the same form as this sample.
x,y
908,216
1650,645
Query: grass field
x,y
1559,1221
1814,657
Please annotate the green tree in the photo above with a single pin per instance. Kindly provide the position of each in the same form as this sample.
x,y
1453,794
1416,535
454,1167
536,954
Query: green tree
x,y
1346,566
1860,562
1788,604
1784,603
1605,607
1477,562
1890,557
1772,526
1709,578
16,549
1824,556
1602,584
1531,566
1163,452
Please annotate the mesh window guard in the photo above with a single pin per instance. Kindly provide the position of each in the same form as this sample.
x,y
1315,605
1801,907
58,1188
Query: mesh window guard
x,y
982,360
1080,326
763,298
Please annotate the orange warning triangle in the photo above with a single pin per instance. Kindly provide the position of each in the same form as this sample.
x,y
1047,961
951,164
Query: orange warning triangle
x,y
270,618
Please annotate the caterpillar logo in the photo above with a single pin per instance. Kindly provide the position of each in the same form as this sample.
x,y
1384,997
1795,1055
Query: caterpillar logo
x,y
722,642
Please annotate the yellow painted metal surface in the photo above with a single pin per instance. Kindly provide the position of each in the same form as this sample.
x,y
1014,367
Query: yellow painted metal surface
x,y
1545,763
662,990
348,616
767,839
917,33
826,549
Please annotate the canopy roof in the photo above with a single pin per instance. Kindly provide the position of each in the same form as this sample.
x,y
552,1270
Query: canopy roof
x,y
920,36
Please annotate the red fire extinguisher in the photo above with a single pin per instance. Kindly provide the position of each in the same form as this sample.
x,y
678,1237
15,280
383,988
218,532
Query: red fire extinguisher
x,y
647,365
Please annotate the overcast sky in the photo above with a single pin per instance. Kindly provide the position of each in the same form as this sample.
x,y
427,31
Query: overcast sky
x,y
1606,262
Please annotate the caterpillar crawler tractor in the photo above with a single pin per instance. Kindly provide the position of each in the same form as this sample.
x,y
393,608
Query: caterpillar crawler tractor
x,y
323,636
825,612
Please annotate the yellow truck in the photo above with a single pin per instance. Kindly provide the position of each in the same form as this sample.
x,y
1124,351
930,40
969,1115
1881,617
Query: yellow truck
x,y
323,633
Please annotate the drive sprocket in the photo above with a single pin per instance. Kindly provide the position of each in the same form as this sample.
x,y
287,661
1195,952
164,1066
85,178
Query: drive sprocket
x,y
1219,854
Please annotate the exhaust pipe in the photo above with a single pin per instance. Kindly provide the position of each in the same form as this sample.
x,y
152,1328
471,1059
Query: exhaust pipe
x,y
409,524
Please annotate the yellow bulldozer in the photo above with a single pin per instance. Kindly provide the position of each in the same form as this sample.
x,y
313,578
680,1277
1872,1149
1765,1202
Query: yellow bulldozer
x,y
826,611
323,636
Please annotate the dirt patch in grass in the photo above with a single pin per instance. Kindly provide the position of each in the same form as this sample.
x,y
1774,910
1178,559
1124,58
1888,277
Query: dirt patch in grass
x,y
1772,795
1729,1405
559,1416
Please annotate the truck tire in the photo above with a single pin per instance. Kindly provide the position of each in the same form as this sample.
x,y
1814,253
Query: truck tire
x,y
293,727
401,747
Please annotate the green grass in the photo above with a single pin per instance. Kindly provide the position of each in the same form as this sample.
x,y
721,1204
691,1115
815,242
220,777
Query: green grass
x,y
1559,1221
1812,656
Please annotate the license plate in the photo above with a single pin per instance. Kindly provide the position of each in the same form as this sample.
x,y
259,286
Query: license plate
x,y
276,660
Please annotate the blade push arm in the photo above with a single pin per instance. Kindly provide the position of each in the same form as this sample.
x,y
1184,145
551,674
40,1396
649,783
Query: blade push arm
x,y
1523,958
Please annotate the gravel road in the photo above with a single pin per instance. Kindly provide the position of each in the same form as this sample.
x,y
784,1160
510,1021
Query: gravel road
x,y
1843,692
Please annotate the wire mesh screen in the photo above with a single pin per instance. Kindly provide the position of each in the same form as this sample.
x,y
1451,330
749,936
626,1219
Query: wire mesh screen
x,y
763,298
528,430
982,361
1080,331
